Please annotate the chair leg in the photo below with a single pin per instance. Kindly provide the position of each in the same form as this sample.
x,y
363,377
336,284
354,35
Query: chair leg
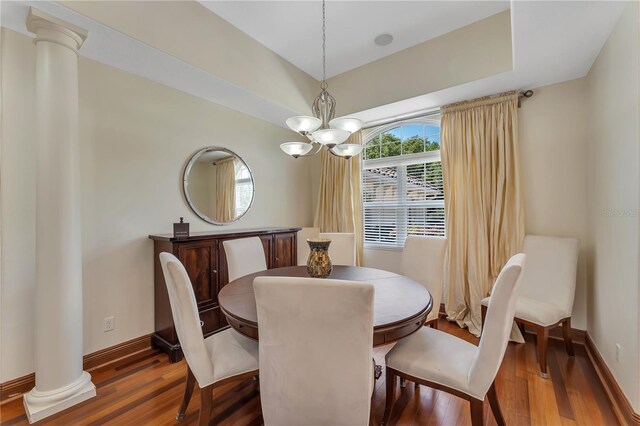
x,y
188,390
543,337
566,332
403,383
477,412
495,405
390,380
434,324
206,394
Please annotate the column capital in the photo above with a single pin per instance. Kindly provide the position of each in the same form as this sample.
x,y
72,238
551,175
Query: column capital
x,y
49,28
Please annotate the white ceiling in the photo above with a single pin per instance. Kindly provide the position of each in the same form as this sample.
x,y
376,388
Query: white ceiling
x,y
293,29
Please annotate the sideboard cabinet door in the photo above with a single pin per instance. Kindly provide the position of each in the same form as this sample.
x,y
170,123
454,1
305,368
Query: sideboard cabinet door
x,y
285,251
200,260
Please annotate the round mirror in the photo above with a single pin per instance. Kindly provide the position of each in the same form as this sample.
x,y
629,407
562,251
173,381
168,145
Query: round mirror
x,y
218,185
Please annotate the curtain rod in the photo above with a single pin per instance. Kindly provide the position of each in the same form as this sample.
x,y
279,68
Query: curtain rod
x,y
521,94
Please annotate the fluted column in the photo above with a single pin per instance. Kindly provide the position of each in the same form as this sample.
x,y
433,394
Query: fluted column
x,y
60,380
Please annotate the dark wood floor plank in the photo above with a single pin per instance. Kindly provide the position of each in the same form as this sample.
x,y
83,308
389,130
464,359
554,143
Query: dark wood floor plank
x,y
146,390
522,414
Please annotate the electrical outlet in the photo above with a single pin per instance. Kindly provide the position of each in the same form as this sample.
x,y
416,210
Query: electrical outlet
x,y
618,352
109,324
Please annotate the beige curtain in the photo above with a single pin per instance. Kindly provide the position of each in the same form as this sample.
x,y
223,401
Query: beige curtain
x,y
483,200
340,196
226,190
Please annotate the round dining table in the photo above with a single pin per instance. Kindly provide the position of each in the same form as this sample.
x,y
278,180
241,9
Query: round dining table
x,y
401,305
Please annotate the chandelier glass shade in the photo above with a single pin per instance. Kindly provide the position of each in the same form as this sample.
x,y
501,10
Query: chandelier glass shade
x,y
347,150
304,124
351,125
322,129
330,137
296,149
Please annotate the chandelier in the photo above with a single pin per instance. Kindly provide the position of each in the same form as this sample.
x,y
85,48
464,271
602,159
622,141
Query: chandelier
x,y
322,129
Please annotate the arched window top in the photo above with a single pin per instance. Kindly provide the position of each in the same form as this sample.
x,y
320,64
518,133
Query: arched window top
x,y
407,138
242,172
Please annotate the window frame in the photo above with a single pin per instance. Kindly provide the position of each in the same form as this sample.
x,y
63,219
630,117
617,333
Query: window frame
x,y
401,162
244,181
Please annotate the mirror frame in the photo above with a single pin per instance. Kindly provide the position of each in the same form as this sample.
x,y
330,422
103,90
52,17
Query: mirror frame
x,y
194,157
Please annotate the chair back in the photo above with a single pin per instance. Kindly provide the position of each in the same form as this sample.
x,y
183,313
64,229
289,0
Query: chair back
x,y
316,340
185,317
496,328
550,275
244,256
342,249
303,247
423,261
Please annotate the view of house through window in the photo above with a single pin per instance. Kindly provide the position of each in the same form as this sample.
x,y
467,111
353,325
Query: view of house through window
x,y
402,183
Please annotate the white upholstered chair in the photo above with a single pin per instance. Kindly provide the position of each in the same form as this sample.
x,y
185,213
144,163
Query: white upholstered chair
x,y
213,361
444,362
244,256
303,247
342,249
423,261
316,340
548,287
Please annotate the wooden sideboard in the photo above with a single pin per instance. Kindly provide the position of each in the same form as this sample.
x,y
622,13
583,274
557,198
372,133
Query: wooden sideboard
x,y
203,256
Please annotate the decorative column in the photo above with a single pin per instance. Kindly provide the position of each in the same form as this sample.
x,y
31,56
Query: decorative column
x,y
60,380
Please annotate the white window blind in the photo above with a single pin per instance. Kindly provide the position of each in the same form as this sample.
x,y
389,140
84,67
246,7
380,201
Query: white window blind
x,y
402,195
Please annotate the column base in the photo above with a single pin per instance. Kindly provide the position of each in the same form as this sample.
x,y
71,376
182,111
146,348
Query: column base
x,y
39,405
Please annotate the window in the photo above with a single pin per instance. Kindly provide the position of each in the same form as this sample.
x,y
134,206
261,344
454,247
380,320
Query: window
x,y
402,183
244,188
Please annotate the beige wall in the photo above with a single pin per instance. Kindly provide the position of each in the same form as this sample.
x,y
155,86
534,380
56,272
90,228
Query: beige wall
x,y
553,155
17,206
135,138
191,32
614,163
552,134
473,52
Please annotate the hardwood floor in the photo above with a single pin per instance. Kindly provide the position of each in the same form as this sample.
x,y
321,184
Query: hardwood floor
x,y
147,390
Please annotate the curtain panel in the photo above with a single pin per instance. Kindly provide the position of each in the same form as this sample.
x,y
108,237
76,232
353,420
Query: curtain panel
x,y
226,190
339,206
484,208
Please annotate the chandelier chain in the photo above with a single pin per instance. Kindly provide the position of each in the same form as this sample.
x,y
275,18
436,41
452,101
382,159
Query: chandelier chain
x,y
324,85
322,129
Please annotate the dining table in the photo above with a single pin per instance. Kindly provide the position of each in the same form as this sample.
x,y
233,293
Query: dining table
x,y
401,305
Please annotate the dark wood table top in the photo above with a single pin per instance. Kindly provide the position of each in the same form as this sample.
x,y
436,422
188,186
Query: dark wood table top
x,y
400,308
